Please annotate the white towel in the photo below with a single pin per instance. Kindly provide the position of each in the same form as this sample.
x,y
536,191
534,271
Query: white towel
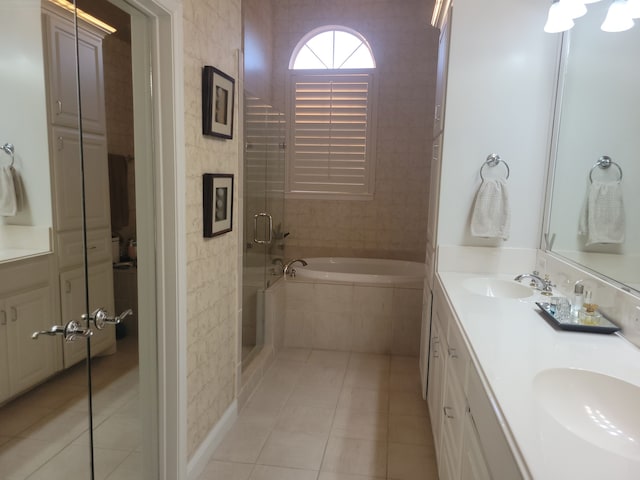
x,y
602,217
8,197
491,215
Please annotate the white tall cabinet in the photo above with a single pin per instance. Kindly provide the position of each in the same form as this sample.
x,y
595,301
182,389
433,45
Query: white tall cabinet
x,y
65,149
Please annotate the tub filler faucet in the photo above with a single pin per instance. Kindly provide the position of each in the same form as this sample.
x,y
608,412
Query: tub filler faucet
x,y
288,268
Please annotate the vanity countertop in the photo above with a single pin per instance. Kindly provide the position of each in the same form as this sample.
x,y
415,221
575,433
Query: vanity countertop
x,y
15,254
512,344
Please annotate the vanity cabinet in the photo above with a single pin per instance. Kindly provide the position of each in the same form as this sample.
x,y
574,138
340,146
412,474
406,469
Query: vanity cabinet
x,y
25,307
470,443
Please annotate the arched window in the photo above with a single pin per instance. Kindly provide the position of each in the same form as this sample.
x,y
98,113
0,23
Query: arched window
x,y
332,90
332,48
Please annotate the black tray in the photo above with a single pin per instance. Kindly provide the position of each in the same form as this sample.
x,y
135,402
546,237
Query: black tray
x,y
574,324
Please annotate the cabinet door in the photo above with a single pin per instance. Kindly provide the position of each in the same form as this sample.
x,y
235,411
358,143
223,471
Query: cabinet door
x,y
68,180
63,81
31,361
4,355
72,293
473,465
436,377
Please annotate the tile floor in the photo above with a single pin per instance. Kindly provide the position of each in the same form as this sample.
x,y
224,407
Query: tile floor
x,y
326,415
43,434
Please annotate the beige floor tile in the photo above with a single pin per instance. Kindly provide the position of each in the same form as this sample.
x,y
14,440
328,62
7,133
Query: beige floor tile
x,y
73,463
407,403
404,381
22,456
294,354
52,396
405,364
294,450
60,427
118,432
364,399
216,470
353,423
410,429
314,395
355,456
130,469
16,417
369,360
322,375
4,440
304,419
330,358
363,377
268,399
282,375
242,443
346,476
264,472
411,462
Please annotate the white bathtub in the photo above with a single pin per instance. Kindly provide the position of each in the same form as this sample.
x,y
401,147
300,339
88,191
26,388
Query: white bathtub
x,y
361,270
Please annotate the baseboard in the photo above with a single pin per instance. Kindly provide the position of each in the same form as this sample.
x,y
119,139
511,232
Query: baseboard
x,y
200,459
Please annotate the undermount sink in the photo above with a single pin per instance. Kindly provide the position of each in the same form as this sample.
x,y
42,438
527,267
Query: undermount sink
x,y
600,409
497,287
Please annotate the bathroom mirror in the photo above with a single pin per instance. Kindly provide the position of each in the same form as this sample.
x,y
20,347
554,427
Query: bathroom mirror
x,y
597,116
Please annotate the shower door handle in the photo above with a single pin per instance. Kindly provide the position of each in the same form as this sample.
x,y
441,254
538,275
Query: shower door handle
x,y
255,229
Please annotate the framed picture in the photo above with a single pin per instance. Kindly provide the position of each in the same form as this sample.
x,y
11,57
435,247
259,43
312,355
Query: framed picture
x,y
217,103
217,203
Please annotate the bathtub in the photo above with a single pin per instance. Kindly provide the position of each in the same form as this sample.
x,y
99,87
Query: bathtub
x,y
368,271
354,305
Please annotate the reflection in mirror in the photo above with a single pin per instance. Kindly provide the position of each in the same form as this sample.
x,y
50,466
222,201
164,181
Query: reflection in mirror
x,y
592,215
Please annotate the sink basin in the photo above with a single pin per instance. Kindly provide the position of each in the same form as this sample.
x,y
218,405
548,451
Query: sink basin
x,y
600,409
497,288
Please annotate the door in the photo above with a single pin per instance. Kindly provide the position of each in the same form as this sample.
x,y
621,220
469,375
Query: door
x,y
264,231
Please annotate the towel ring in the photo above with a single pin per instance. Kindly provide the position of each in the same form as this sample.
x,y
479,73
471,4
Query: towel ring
x,y
493,160
604,162
9,150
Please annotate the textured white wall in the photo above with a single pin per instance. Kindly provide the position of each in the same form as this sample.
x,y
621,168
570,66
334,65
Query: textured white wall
x,y
499,100
212,30
23,118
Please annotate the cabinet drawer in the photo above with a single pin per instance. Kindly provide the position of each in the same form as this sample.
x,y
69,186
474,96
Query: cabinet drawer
x,y
457,354
23,274
70,252
453,411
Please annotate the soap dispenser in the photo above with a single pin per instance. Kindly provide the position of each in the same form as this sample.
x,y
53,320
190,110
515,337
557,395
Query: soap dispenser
x,y
578,299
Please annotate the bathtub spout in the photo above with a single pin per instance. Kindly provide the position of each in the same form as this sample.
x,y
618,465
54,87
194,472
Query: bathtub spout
x,y
288,268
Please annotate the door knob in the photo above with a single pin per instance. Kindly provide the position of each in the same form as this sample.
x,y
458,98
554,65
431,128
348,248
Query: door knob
x,y
69,332
101,318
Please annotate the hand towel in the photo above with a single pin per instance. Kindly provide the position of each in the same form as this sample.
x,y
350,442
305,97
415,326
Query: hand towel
x,y
602,219
8,198
491,215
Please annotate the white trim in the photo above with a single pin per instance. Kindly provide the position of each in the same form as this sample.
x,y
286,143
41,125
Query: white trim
x,y
200,459
162,190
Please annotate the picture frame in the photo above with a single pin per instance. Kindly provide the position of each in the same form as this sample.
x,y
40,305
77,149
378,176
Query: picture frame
x,y
217,203
217,103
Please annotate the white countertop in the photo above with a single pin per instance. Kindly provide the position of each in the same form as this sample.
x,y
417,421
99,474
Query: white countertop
x,y
512,343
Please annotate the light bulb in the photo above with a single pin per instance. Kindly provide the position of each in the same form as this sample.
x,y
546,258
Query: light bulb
x,y
618,17
573,8
633,8
587,2
558,20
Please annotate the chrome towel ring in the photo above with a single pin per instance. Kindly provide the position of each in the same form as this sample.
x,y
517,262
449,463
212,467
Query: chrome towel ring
x,y
494,160
604,162
9,149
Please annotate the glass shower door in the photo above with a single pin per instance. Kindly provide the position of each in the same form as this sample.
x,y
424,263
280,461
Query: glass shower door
x,y
263,215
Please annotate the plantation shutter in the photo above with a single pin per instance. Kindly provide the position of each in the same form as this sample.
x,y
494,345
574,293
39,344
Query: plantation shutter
x,y
331,134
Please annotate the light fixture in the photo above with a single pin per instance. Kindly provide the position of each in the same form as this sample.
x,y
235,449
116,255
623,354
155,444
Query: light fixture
x,y
558,19
618,17
587,2
68,6
634,8
573,8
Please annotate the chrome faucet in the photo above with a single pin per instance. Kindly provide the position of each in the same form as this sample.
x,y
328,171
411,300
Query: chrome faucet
x,y
543,284
288,270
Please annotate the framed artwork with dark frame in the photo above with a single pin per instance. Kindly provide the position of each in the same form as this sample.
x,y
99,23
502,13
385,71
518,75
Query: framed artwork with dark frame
x,y
217,103
217,203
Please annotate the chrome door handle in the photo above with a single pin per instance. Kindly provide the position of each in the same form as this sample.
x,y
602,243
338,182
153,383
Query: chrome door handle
x,y
255,229
69,332
101,318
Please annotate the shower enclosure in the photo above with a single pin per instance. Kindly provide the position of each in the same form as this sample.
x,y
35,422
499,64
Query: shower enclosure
x,y
264,233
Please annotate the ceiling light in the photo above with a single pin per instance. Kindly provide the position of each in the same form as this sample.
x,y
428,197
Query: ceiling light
x,y
84,15
558,19
618,17
634,8
573,8
587,2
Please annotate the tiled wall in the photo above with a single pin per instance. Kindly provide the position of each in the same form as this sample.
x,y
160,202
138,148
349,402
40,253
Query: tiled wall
x,y
212,36
352,318
393,225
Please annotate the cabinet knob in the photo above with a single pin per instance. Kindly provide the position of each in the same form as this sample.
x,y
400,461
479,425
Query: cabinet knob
x,y
452,353
14,314
447,414
59,103
3,317
67,286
